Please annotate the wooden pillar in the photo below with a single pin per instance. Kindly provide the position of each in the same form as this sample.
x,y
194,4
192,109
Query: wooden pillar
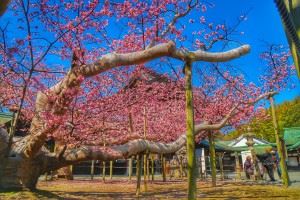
x,y
92,169
220,155
190,135
280,150
212,156
237,166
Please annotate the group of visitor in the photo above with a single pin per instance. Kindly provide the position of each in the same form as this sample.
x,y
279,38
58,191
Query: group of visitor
x,y
268,162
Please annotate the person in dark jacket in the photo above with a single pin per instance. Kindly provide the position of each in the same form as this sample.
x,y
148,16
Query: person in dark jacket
x,y
248,167
276,159
268,162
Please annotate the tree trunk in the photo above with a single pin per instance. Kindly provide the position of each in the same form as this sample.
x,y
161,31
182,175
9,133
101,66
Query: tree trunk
x,y
190,136
19,173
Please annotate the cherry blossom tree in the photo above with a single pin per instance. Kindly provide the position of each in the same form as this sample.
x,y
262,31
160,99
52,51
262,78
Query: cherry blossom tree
x,y
89,103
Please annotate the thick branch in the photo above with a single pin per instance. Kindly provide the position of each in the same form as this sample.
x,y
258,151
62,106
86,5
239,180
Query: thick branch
x,y
112,60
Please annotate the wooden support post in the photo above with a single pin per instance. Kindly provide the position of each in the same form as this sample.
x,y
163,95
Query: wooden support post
x,y
148,168
190,136
145,156
130,159
212,156
130,168
280,150
110,169
92,169
163,167
138,174
103,170
145,173
152,168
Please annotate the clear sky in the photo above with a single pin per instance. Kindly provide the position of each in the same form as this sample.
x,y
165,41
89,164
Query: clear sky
x,y
263,24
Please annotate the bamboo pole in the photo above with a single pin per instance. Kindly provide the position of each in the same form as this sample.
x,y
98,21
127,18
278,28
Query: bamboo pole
x,y
190,136
280,150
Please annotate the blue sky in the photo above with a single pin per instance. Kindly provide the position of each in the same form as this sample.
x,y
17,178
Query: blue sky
x,y
263,24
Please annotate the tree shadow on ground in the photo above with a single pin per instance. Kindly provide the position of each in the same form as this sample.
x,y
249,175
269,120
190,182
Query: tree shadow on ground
x,y
40,194
225,192
157,194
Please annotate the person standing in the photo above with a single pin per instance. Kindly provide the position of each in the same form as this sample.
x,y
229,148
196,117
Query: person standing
x,y
268,163
277,162
248,167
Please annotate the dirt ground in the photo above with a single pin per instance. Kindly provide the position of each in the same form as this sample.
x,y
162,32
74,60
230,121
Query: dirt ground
x,y
88,190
